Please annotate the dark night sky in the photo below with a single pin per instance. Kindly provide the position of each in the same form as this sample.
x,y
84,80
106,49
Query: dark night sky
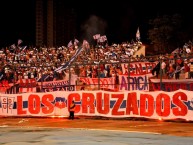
x,y
121,17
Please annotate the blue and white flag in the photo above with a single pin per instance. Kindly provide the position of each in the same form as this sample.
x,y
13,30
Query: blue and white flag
x,y
65,66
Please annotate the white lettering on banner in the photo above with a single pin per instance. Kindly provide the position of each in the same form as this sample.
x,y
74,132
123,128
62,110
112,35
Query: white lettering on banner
x,y
135,83
155,105
55,83
60,85
138,68
62,88
106,83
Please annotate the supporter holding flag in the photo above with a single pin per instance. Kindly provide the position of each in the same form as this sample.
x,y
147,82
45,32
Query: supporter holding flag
x,y
86,46
12,48
85,43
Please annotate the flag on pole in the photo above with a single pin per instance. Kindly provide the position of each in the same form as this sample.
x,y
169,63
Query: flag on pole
x,y
85,42
97,36
176,51
70,44
19,42
102,38
86,45
138,35
13,46
65,65
76,42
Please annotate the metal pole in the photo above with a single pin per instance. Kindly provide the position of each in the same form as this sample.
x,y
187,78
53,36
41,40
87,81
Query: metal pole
x,y
160,73
98,70
69,75
129,75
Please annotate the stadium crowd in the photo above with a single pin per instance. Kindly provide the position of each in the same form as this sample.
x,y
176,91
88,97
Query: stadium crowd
x,y
31,62
41,63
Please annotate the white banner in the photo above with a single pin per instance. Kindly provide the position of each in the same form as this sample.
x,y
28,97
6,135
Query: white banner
x,y
154,105
138,68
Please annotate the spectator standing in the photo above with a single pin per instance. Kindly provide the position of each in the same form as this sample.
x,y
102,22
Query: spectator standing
x,y
186,70
72,109
191,69
177,74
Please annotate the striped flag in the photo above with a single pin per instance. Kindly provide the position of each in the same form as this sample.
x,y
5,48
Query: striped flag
x,y
27,85
65,66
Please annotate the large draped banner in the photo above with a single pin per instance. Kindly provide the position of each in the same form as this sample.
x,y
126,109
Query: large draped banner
x,y
154,105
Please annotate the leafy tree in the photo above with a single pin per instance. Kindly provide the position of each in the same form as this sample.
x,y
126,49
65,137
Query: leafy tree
x,y
166,33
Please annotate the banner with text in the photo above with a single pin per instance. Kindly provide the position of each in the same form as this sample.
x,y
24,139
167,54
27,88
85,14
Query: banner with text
x,y
154,105
172,85
105,83
60,85
138,68
137,82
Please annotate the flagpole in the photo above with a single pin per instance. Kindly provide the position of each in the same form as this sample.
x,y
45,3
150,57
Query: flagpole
x,y
98,70
138,35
